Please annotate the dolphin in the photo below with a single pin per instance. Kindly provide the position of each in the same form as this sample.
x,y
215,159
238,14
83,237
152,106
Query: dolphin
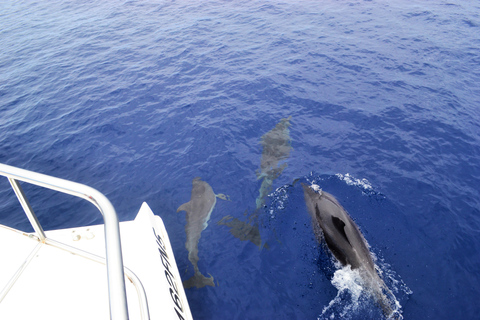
x,y
344,239
199,210
276,145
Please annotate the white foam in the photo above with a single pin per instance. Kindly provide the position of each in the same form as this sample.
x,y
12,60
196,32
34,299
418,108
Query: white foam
x,y
352,181
348,279
316,187
351,295
349,284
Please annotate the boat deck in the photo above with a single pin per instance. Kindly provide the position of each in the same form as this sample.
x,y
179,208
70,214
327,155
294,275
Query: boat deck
x,y
58,283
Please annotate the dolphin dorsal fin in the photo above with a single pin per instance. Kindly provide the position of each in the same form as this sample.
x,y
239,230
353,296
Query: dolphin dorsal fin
x,y
340,226
184,207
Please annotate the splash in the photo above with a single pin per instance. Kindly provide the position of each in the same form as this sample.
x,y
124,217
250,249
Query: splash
x,y
352,181
349,284
362,184
353,300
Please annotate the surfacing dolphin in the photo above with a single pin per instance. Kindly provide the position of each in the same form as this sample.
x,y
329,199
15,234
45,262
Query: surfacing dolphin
x,y
199,210
276,145
344,239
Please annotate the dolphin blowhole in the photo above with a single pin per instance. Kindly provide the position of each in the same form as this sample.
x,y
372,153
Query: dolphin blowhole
x,y
316,188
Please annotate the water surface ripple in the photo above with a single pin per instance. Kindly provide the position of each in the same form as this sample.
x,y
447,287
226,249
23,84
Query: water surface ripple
x,y
136,98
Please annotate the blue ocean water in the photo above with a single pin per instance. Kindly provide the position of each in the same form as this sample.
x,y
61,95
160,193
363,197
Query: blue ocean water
x,y
137,98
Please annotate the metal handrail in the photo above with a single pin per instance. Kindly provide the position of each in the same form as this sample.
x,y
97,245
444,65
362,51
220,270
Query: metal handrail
x,y
114,260
142,296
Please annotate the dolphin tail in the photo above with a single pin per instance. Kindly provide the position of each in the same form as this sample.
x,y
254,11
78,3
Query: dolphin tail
x,y
199,280
244,231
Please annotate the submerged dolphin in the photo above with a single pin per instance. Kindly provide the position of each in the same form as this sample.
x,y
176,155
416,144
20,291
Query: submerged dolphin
x,y
276,145
198,209
332,223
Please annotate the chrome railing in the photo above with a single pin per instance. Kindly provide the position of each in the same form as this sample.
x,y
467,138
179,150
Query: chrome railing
x,y
114,261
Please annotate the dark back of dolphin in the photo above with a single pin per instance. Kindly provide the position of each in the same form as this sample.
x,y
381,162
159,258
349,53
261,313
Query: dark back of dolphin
x,y
346,242
341,234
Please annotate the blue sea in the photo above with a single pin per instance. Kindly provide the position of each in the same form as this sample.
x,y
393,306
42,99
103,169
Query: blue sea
x,y
137,98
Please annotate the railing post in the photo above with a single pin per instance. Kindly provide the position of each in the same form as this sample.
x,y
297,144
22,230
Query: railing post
x,y
27,208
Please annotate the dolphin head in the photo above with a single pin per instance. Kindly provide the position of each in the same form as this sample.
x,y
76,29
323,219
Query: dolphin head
x,y
311,197
312,190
